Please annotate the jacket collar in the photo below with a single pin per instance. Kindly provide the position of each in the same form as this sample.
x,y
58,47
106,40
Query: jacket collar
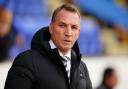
x,y
52,45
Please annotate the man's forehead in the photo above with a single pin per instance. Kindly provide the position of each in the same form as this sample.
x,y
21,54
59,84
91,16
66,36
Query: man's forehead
x,y
65,13
66,16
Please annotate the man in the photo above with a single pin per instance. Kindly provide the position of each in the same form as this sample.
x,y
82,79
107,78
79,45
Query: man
x,y
54,60
5,33
109,79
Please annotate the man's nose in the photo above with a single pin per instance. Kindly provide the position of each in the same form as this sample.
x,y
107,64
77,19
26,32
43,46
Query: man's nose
x,y
68,31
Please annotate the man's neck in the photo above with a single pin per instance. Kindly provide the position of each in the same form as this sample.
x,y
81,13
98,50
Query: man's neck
x,y
68,53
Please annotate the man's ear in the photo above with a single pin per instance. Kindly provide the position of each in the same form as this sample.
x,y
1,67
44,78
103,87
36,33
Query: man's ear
x,y
78,34
50,29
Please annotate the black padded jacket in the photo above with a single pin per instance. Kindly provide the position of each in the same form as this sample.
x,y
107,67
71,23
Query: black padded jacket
x,y
41,67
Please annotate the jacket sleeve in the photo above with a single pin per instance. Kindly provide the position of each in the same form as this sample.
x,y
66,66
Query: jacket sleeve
x,y
21,75
86,73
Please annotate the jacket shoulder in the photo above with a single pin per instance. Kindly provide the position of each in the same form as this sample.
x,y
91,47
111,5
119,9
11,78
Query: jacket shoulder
x,y
26,59
83,66
22,71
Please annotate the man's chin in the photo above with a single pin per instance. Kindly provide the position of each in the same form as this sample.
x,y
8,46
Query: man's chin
x,y
66,48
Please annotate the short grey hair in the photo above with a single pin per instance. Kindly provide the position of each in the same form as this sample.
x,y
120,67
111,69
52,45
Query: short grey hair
x,y
67,7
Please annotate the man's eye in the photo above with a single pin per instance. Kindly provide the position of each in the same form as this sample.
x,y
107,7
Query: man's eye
x,y
74,27
61,25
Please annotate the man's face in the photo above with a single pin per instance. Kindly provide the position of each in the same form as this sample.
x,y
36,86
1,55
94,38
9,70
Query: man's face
x,y
65,30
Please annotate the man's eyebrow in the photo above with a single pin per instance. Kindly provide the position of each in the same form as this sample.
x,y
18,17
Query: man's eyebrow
x,y
76,25
62,22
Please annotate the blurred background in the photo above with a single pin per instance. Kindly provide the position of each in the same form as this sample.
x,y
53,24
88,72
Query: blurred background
x,y
103,38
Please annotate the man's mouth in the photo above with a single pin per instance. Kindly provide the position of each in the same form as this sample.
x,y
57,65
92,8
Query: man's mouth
x,y
67,41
